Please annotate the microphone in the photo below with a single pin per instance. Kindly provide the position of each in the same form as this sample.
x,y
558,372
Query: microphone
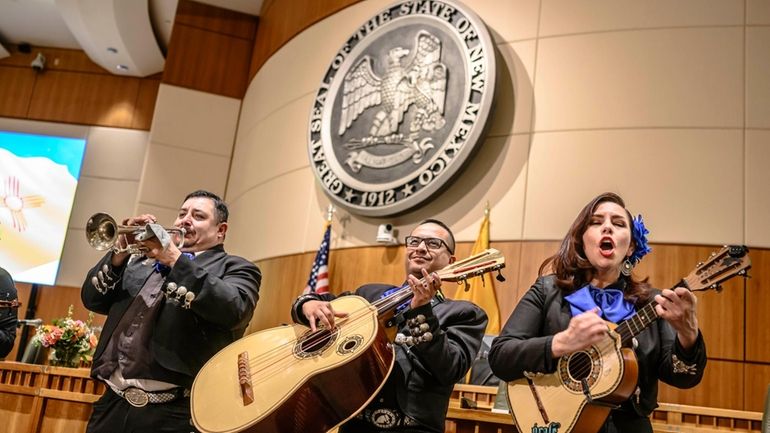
x,y
29,322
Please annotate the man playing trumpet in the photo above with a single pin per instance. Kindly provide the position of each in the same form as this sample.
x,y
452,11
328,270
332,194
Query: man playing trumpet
x,y
168,311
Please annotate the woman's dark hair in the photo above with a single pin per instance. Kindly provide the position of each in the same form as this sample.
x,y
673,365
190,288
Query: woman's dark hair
x,y
570,264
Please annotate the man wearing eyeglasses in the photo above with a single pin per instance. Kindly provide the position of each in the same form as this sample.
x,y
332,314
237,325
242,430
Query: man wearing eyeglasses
x,y
428,361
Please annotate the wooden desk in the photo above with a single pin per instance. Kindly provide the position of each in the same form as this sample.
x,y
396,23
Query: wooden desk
x,y
45,399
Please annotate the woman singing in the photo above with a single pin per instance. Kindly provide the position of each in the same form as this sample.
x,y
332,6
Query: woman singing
x,y
592,284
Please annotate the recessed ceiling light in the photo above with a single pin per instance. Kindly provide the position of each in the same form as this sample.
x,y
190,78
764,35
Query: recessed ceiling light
x,y
112,50
122,67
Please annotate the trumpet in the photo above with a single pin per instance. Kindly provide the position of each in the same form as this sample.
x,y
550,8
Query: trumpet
x,y
103,232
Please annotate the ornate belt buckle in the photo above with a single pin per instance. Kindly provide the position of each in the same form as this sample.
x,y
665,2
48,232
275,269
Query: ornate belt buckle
x,y
136,397
384,418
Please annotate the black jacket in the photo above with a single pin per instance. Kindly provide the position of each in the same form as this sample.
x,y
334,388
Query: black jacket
x,y
8,315
226,291
525,345
424,375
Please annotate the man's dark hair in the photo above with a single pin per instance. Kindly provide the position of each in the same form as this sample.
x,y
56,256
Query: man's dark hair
x,y
451,242
219,205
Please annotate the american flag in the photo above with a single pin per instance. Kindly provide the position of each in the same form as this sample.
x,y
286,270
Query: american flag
x,y
319,273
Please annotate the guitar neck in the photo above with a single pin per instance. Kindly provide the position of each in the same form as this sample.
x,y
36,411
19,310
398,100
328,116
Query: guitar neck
x,y
630,328
486,261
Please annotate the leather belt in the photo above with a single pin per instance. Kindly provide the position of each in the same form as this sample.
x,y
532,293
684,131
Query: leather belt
x,y
385,418
138,397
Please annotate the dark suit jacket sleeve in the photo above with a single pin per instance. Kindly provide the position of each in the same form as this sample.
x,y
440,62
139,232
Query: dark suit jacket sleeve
x,y
8,316
522,345
670,347
90,294
457,335
227,301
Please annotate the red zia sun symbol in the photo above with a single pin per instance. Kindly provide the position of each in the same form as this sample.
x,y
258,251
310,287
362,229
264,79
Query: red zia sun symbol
x,y
16,203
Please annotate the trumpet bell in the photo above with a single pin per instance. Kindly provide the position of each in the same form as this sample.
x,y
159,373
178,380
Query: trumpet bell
x,y
101,231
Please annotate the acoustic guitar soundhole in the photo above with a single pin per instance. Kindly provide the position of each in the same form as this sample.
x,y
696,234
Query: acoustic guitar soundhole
x,y
314,343
578,366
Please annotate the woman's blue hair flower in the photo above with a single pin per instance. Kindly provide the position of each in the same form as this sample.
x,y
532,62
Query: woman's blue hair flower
x,y
639,233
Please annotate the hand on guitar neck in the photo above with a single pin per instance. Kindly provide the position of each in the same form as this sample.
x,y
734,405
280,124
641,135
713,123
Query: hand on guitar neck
x,y
320,313
425,289
677,307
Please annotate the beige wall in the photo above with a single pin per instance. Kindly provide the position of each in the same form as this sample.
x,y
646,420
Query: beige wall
x,y
664,102
191,140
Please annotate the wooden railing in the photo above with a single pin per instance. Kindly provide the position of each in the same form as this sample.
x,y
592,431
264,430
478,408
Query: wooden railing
x,y
43,399
665,419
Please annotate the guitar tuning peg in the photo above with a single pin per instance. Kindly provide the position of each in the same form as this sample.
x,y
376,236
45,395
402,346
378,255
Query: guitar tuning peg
x,y
467,285
500,276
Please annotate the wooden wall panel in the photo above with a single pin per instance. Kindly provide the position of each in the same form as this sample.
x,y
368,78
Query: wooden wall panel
x,y
281,284
145,103
224,21
280,21
64,416
722,386
16,412
73,89
720,315
92,99
16,86
758,308
210,50
757,385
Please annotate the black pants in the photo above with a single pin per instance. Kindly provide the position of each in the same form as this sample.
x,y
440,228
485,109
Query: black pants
x,y
626,422
113,414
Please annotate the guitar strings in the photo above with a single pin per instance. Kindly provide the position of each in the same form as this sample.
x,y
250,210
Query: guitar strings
x,y
582,367
320,336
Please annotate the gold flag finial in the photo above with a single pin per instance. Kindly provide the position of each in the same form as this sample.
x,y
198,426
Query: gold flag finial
x,y
486,209
329,212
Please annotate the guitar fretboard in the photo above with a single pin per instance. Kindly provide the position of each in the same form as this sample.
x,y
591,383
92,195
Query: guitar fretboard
x,y
630,328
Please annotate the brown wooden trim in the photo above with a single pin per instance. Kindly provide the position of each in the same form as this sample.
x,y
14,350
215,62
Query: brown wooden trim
x,y
280,21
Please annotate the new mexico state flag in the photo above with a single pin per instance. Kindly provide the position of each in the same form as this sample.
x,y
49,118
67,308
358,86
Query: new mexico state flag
x,y
482,291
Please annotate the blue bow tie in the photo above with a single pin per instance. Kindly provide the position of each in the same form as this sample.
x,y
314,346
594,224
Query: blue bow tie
x,y
164,270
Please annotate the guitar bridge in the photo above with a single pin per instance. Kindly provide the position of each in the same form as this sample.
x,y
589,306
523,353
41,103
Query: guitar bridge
x,y
244,378
587,394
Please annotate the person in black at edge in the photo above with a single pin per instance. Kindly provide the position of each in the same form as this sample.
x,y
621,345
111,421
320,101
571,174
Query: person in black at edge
x,y
565,312
165,318
8,314
416,395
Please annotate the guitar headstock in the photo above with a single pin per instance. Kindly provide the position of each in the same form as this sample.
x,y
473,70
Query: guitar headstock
x,y
486,261
728,262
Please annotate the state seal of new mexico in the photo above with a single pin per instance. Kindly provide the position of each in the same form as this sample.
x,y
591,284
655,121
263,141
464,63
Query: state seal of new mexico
x,y
402,106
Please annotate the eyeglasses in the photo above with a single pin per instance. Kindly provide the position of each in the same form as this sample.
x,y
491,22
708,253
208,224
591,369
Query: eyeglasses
x,y
430,243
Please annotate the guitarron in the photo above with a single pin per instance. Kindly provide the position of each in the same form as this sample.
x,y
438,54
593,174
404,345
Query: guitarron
x,y
587,384
290,380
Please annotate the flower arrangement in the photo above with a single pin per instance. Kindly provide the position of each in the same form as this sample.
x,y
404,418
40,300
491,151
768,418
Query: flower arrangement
x,y
639,233
71,341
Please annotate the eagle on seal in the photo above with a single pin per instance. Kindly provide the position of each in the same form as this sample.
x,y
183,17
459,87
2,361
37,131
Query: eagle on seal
x,y
421,82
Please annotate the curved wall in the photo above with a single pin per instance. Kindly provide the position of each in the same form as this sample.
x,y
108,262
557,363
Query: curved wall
x,y
665,103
